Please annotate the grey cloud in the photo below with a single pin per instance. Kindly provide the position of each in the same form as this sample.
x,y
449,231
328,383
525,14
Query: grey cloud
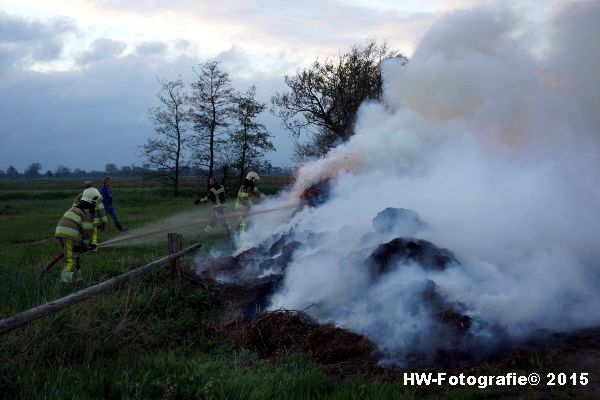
x,y
22,39
325,23
319,23
16,29
102,49
235,60
49,50
8,57
97,115
154,47
182,44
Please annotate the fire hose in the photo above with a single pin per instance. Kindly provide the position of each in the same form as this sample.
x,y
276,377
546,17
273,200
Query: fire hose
x,y
50,264
59,257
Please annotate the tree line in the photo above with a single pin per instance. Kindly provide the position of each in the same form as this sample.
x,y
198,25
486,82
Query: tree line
x,y
210,126
35,171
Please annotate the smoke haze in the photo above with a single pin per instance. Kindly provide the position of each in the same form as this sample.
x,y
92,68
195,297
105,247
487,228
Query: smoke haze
x,y
497,150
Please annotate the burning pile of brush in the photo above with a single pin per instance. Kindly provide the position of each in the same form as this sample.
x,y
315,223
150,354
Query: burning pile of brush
x,y
507,182
278,334
247,282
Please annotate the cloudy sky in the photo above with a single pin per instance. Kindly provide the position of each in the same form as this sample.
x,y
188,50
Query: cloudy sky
x,y
78,76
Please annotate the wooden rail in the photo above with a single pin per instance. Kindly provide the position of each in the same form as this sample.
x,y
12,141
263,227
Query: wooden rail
x,y
8,324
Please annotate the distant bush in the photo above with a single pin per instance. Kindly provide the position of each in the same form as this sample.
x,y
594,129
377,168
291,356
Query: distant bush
x,y
7,209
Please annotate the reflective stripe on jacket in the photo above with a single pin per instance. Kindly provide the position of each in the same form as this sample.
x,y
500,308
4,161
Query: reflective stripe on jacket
x,y
247,191
75,224
99,214
243,198
216,194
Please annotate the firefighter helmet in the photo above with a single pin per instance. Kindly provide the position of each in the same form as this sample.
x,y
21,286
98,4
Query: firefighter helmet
x,y
91,195
253,176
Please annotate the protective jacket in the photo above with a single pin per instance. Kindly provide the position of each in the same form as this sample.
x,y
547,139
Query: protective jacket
x,y
216,194
99,213
248,191
76,224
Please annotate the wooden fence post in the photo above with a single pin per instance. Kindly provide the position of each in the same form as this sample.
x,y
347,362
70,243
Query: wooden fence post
x,y
175,245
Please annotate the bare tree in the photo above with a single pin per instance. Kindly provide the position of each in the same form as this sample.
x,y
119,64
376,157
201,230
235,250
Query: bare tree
x,y
62,171
12,173
249,139
211,104
322,100
33,170
165,153
111,169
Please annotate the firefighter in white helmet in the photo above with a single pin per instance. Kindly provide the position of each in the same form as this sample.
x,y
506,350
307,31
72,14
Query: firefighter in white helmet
x,y
74,231
247,195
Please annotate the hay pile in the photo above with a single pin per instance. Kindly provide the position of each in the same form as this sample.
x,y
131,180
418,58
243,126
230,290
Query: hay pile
x,y
276,335
283,332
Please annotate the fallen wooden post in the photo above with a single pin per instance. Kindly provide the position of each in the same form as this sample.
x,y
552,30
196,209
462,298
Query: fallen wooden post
x,y
8,324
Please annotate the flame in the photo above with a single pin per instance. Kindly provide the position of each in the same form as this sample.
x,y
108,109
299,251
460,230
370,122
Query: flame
x,y
310,192
245,253
326,168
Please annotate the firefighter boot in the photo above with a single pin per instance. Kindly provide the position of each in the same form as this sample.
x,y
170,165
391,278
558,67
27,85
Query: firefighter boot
x,y
242,226
77,275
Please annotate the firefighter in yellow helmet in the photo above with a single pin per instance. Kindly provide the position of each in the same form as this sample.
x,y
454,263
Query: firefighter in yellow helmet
x,y
247,196
74,231
100,218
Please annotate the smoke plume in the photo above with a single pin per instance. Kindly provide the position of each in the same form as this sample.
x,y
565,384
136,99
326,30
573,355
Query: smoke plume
x,y
496,147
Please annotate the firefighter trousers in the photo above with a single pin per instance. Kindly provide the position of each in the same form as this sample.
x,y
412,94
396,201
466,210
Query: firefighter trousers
x,y
72,252
218,218
242,211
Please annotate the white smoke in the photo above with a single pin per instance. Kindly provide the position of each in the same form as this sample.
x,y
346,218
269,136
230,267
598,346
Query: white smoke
x,y
498,151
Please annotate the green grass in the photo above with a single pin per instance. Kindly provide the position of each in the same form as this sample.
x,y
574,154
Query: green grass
x,y
138,342
145,340
188,373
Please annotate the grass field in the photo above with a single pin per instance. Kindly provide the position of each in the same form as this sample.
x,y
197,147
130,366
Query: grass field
x,y
145,340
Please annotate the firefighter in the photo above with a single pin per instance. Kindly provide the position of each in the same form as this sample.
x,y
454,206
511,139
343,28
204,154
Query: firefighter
x,y
216,194
74,231
247,196
100,218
